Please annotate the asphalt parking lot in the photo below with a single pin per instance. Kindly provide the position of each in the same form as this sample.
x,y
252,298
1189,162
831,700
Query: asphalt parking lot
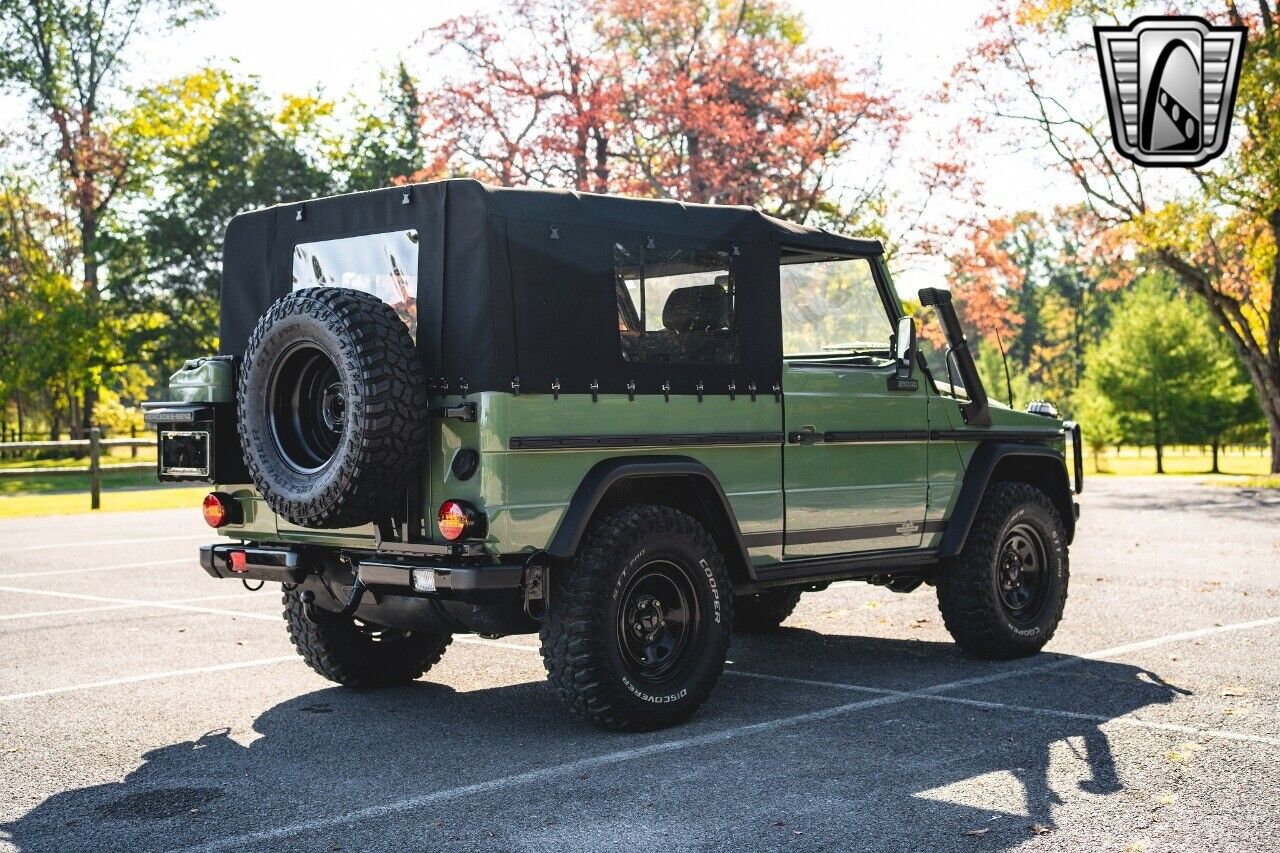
x,y
146,706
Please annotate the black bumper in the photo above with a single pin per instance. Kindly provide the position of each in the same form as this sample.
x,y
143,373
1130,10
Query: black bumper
x,y
473,582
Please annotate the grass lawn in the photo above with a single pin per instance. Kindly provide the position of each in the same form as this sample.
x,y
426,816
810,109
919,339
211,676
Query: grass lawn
x,y
1192,461
64,503
60,494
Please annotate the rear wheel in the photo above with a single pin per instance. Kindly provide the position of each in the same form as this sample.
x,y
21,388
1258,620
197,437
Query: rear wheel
x,y
764,611
1003,596
639,622
358,654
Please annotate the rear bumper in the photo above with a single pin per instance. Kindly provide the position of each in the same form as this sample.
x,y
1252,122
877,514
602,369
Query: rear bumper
x,y
250,563
464,581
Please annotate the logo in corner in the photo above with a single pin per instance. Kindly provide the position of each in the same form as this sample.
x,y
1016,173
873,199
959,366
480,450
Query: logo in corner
x,y
1171,87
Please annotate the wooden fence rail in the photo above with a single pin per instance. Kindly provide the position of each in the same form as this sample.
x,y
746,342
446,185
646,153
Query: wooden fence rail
x,y
95,444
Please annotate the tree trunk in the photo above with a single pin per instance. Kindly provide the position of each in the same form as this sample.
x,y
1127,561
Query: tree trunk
x,y
1159,439
1261,362
1215,457
89,255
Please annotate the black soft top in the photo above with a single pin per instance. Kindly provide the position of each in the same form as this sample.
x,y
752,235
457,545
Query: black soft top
x,y
519,282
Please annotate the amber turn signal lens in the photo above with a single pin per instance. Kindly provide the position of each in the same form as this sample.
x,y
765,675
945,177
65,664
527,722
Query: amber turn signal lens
x,y
215,511
455,519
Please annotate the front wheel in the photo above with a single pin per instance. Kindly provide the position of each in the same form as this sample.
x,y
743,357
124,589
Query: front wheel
x,y
1003,595
764,611
357,654
639,622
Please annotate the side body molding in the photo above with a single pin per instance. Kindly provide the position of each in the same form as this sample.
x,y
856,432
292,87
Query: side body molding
x,y
606,473
1051,475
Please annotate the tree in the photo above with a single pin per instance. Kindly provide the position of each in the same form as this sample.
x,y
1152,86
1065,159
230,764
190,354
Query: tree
x,y
66,57
1220,237
1162,370
206,146
699,100
385,145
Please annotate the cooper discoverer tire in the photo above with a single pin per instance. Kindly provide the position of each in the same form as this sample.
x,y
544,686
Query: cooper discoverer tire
x,y
1003,595
639,621
353,654
764,611
332,408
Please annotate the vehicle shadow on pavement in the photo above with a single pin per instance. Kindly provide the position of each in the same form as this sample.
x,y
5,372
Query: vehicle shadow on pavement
x,y
859,776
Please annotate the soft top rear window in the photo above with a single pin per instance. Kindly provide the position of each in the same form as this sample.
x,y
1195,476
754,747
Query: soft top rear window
x,y
384,264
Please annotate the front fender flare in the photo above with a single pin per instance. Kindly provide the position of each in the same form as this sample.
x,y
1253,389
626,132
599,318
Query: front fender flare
x,y
977,477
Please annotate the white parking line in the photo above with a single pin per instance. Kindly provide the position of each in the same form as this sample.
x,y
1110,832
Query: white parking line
x,y
1133,722
138,602
44,574
1224,734
70,611
98,543
133,679
611,758
540,775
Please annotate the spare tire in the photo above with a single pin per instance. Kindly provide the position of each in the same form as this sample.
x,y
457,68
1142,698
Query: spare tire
x,y
332,404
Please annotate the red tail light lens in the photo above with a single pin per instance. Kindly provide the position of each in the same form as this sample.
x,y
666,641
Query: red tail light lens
x,y
220,509
455,519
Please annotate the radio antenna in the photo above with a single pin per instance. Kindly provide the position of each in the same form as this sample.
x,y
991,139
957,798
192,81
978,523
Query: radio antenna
x,y
1008,382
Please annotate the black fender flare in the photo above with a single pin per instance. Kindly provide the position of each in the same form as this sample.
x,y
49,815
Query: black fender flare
x,y
977,477
608,472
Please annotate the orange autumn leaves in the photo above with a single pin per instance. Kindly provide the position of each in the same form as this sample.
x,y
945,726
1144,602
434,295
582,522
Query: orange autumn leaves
x,y
698,100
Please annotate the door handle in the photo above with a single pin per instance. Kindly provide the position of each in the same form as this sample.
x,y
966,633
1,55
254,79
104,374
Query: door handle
x,y
804,435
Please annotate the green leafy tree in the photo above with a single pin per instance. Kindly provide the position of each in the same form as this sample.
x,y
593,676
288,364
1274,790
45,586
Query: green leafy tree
x,y
65,59
385,145
1163,370
208,146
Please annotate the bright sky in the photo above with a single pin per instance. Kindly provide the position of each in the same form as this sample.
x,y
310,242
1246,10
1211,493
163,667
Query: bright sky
x,y
297,45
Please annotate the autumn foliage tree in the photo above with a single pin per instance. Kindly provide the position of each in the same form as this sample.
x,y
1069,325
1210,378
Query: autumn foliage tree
x,y
1217,229
697,100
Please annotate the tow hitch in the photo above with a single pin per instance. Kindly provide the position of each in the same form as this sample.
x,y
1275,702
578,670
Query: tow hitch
x,y
319,616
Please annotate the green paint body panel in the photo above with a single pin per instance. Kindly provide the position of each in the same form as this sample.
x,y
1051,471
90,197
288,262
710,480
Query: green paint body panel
x,y
525,493
834,485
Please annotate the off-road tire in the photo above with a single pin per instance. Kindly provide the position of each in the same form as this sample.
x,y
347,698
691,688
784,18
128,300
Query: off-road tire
x,y
582,637
356,655
969,586
383,418
765,611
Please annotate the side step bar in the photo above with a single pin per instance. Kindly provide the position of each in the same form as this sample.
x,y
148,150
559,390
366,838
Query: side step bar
x,y
906,561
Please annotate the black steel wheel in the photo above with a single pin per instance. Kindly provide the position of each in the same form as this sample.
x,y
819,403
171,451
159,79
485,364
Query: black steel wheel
x,y
1020,575
308,407
1004,594
638,627
764,611
657,621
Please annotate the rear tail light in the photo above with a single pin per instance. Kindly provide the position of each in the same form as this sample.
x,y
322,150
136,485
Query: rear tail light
x,y
457,519
220,509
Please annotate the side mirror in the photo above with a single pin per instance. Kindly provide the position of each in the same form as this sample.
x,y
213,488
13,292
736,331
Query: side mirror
x,y
905,349
904,354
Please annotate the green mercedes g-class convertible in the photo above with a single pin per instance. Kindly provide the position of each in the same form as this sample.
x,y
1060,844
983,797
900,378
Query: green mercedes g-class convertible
x,y
631,426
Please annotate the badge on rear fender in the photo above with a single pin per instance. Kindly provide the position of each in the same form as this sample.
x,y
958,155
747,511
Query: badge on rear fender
x,y
1171,87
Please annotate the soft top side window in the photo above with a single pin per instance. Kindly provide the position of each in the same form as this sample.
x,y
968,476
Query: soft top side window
x,y
676,304
832,307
